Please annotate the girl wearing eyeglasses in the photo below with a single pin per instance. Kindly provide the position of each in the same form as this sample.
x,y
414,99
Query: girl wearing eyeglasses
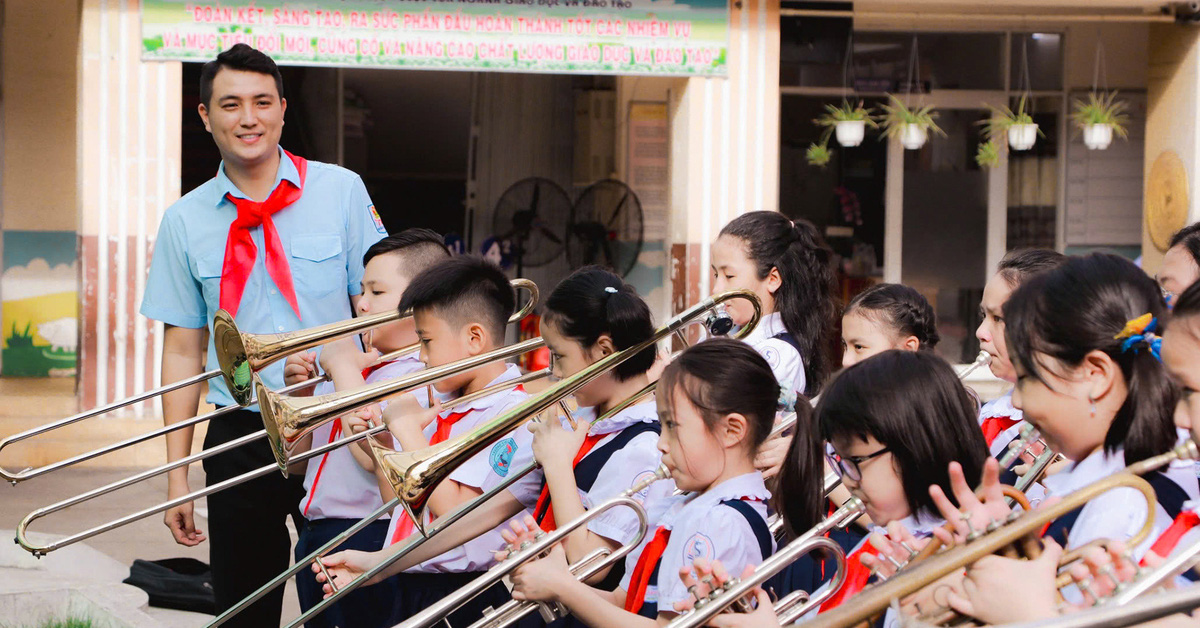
x,y
892,424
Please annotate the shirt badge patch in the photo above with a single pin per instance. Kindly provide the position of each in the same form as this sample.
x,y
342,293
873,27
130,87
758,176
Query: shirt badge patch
x,y
502,455
640,496
771,356
378,221
699,546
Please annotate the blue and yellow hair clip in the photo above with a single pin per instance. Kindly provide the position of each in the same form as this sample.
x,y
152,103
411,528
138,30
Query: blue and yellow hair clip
x,y
1138,332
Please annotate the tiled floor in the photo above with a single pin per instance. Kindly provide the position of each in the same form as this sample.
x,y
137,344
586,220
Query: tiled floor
x,y
147,538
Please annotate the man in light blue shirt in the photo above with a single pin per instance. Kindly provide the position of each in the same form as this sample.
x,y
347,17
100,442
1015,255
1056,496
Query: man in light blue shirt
x,y
323,236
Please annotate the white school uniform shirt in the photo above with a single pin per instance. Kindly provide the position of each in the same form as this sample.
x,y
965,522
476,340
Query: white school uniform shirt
x,y
1116,514
702,528
633,463
1002,407
335,485
483,471
785,361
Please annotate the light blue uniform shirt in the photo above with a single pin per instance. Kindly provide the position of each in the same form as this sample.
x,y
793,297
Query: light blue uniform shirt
x,y
325,234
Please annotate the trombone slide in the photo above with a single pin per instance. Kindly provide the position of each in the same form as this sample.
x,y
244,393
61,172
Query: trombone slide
x,y
539,546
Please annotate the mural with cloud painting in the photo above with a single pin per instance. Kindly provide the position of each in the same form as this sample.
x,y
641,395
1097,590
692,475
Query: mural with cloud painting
x,y
40,309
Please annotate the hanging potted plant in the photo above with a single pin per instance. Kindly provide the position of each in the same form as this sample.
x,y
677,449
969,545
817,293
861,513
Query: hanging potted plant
x,y
911,126
988,154
818,154
848,122
1100,118
1018,125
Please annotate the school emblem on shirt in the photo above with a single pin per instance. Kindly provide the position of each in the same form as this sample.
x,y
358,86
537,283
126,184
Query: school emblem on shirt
x,y
640,496
502,455
699,546
378,221
771,356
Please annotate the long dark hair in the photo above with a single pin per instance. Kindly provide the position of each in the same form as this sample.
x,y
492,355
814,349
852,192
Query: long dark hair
x,y
901,308
1080,307
915,405
806,298
592,302
793,493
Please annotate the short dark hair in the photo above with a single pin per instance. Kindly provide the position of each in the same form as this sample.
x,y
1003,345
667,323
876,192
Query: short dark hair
x,y
1189,237
724,376
1081,307
465,289
1017,266
901,308
807,299
239,57
593,301
420,249
913,403
1187,303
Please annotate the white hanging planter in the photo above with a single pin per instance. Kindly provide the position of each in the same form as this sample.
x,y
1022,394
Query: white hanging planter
x,y
1097,136
913,136
850,133
1022,136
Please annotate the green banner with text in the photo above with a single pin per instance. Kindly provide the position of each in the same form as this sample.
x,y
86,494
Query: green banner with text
x,y
657,37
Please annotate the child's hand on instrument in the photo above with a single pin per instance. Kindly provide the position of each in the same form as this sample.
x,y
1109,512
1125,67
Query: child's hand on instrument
x,y
344,355
973,514
345,566
525,530
1003,590
300,367
898,544
771,455
407,412
361,420
540,579
714,575
555,446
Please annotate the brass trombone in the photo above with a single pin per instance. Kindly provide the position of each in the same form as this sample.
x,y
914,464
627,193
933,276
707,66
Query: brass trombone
x,y
795,605
416,473
396,386
1020,527
239,354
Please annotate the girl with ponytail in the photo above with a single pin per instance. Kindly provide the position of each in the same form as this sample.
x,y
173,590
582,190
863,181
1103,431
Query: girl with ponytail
x,y
788,265
1089,377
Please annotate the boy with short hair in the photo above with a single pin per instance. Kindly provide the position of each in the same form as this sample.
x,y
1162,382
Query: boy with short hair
x,y
461,308
340,485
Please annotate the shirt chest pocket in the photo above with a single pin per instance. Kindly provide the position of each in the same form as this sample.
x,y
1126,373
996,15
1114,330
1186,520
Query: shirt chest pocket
x,y
208,272
318,264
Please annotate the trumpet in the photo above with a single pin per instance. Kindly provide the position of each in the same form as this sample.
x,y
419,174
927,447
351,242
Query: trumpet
x,y
418,472
1018,529
239,354
413,381
983,359
587,567
795,605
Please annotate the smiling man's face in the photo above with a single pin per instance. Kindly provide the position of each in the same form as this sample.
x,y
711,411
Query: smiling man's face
x,y
245,116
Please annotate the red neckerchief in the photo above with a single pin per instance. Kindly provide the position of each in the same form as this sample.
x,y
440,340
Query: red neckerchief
x,y
404,525
239,246
651,555
857,576
995,426
543,512
1170,538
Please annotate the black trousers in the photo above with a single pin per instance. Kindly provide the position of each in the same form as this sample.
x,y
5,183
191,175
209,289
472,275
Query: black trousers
x,y
365,607
247,533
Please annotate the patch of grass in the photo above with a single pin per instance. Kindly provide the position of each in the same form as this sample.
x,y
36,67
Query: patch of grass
x,y
72,622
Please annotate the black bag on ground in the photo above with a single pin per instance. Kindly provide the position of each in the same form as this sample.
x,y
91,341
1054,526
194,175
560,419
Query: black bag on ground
x,y
182,584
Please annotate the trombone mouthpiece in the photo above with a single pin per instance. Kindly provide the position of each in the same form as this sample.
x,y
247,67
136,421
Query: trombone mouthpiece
x,y
719,323
983,359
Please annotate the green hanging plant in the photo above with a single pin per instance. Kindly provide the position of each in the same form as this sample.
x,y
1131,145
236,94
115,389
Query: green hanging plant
x,y
897,115
848,120
818,154
1004,119
988,154
1102,109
